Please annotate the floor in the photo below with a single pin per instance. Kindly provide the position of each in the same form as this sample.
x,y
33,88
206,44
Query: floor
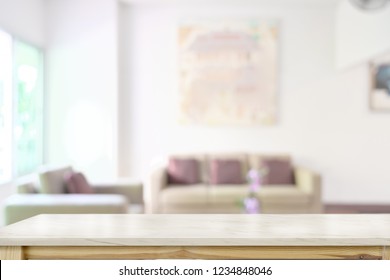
x,y
355,208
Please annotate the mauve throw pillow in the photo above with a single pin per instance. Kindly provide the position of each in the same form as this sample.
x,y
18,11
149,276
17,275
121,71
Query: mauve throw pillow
x,y
77,183
226,171
183,171
280,172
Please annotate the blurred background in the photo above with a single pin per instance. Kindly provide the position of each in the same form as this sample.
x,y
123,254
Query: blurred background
x,y
100,84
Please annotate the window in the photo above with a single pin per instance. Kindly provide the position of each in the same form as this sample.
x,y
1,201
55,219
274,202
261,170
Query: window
x,y
21,107
5,106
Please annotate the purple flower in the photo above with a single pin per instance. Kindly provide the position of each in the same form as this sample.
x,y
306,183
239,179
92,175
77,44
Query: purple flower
x,y
252,205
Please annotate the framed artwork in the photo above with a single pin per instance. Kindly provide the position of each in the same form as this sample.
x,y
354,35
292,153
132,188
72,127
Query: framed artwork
x,y
228,72
380,89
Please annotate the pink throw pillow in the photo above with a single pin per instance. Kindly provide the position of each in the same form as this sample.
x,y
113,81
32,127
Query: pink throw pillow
x,y
280,172
225,171
77,183
183,171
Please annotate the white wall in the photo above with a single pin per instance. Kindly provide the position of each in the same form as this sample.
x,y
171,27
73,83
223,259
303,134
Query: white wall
x,y
24,20
82,85
324,118
361,35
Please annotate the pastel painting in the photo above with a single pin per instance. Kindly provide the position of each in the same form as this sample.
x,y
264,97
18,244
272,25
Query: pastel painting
x,y
228,72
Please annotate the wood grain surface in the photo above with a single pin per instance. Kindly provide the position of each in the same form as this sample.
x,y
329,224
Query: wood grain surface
x,y
11,253
209,252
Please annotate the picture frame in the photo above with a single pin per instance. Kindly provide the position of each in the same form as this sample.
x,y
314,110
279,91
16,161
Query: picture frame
x,y
379,97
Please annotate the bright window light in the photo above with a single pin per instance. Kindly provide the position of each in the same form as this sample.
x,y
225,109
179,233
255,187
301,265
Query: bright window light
x,y
21,107
5,106
28,124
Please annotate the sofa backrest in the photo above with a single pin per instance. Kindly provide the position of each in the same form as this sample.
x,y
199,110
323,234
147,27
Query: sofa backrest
x,y
53,180
48,180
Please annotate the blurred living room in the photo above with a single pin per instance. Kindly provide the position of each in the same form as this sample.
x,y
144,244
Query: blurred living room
x,y
194,106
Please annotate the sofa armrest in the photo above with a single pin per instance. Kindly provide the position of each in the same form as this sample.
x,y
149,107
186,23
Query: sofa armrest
x,y
155,182
131,189
310,182
26,188
27,184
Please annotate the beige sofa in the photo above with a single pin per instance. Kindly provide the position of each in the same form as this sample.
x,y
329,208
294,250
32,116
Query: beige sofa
x,y
45,193
304,196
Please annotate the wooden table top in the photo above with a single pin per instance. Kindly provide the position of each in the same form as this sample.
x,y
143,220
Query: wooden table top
x,y
199,230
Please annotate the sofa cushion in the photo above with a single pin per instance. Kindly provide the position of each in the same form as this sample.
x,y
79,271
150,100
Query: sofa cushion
x,y
232,194
77,183
284,195
255,160
279,171
242,158
183,171
52,180
23,206
200,158
226,171
184,194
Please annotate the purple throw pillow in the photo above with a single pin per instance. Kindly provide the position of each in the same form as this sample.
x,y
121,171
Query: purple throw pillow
x,y
225,171
77,183
183,171
280,172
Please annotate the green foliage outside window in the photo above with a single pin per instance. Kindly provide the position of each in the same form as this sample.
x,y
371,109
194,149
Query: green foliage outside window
x,y
28,124
21,107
